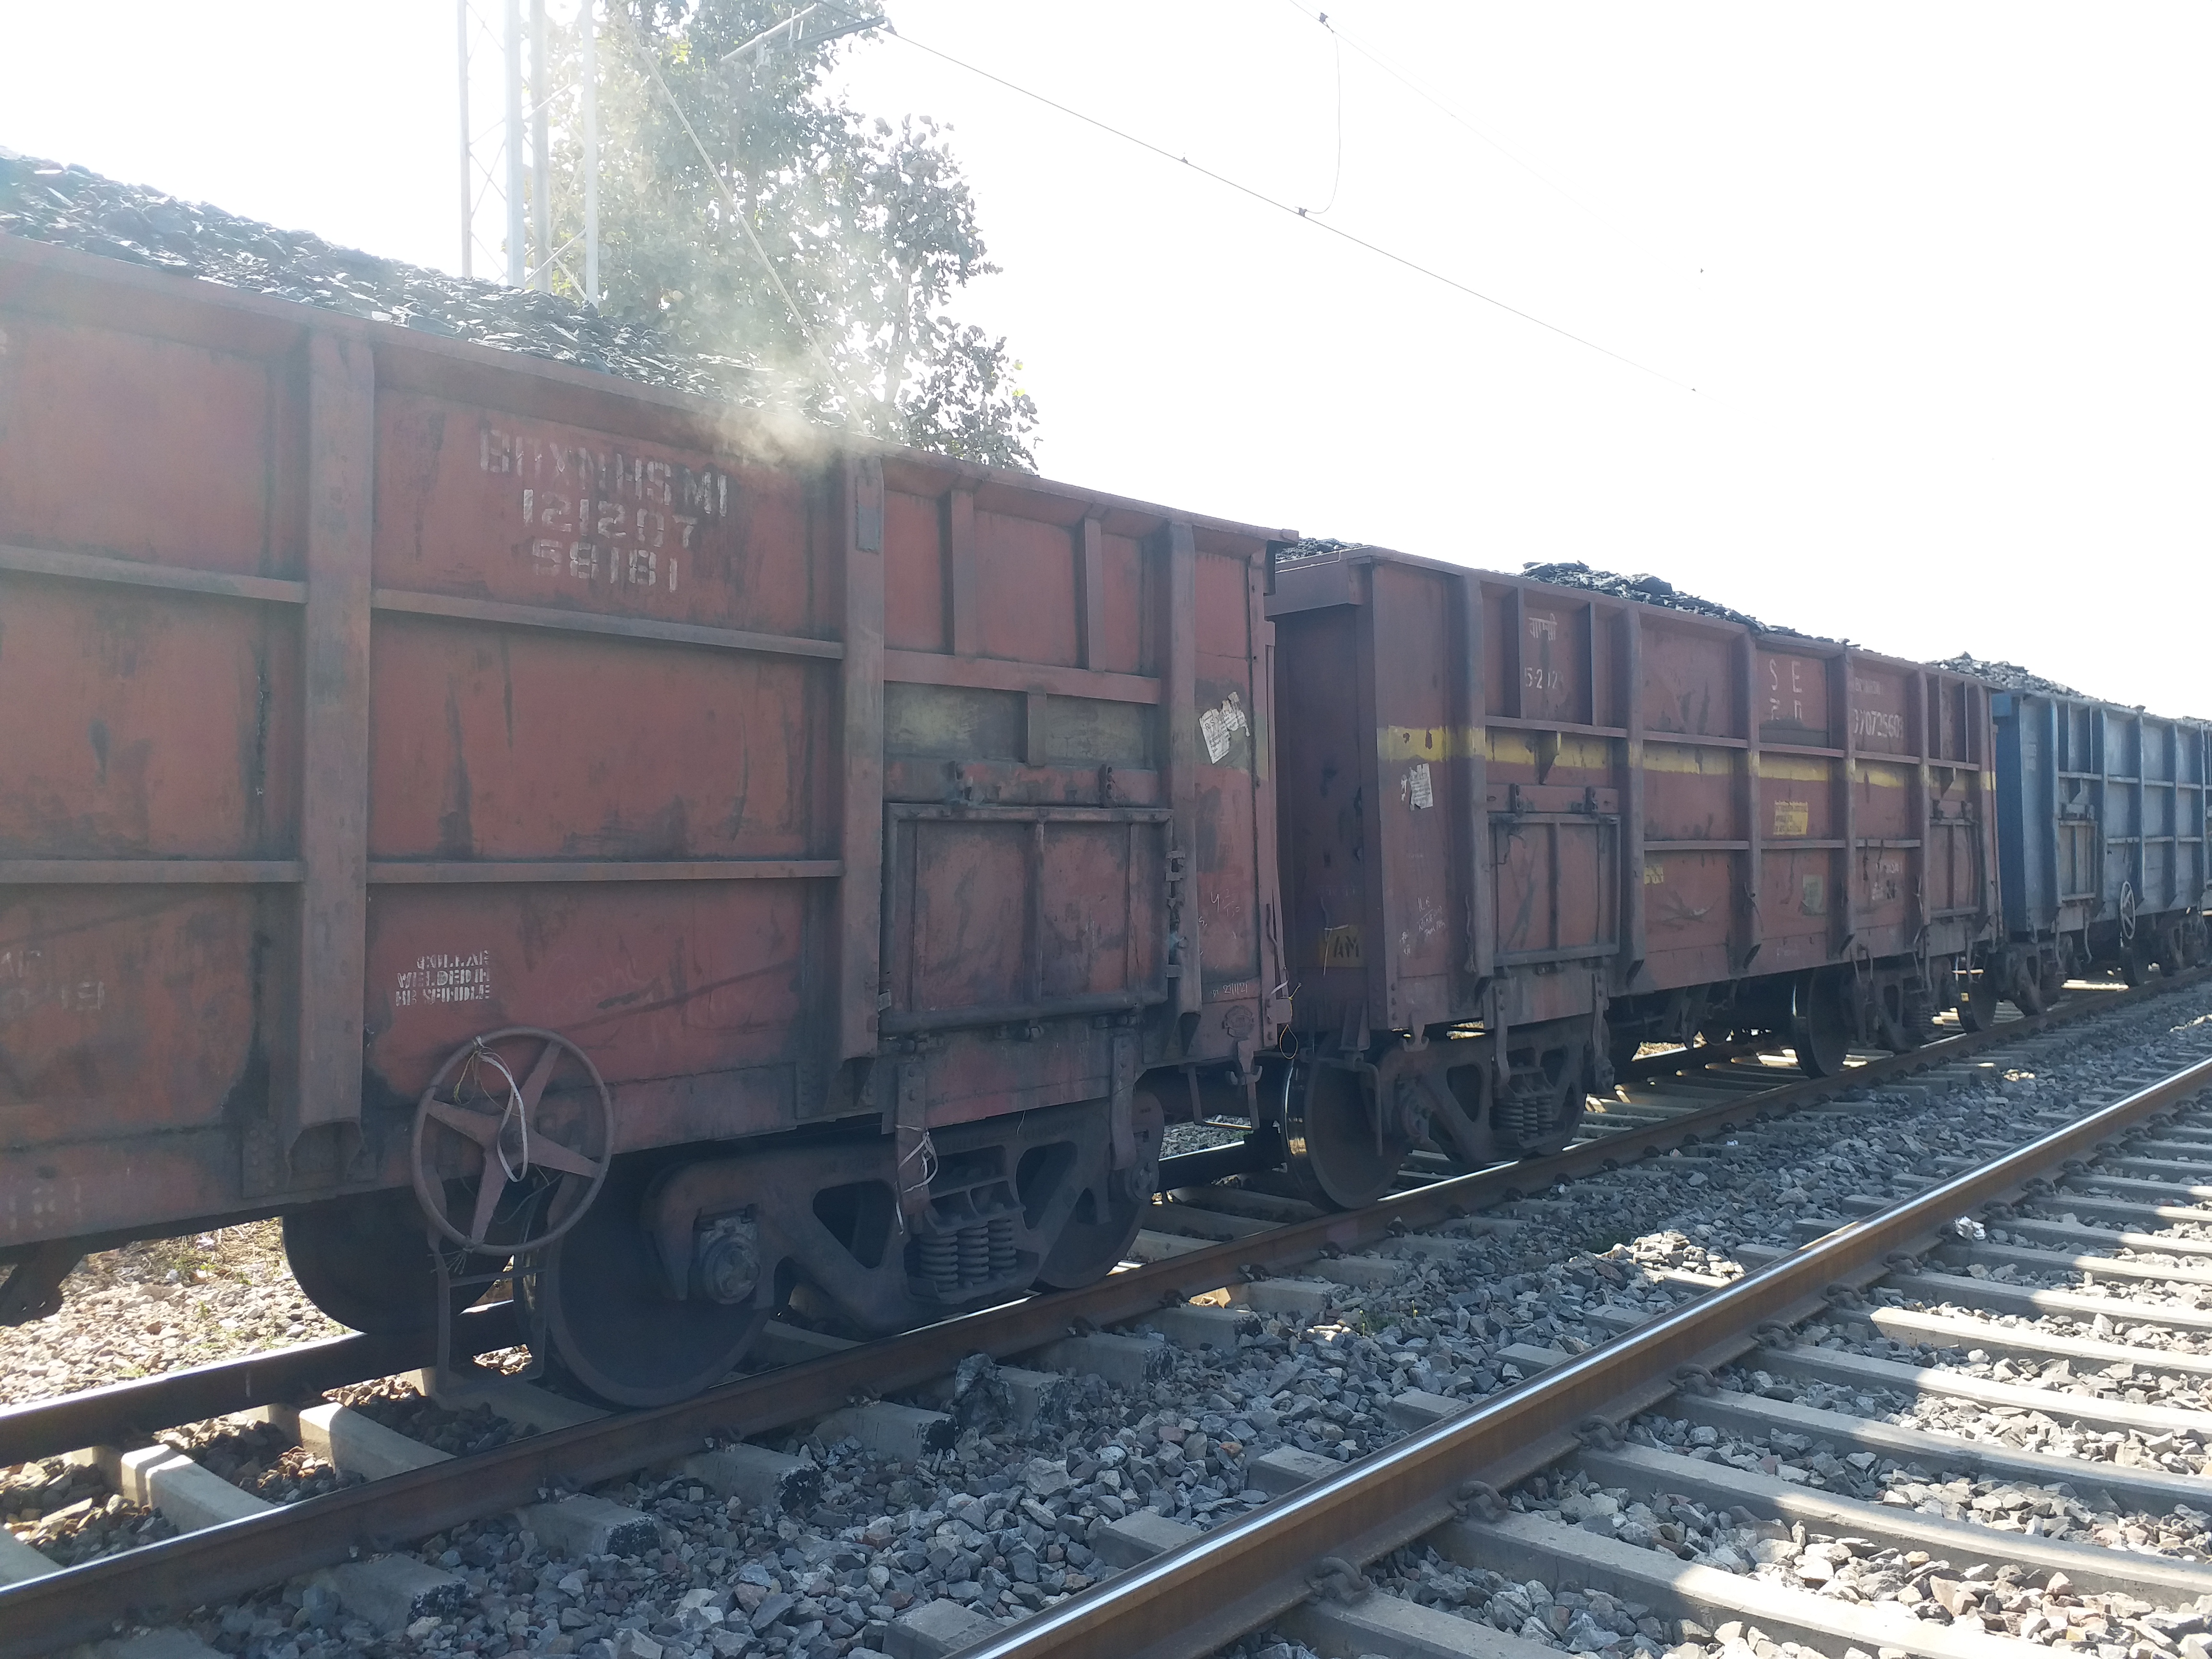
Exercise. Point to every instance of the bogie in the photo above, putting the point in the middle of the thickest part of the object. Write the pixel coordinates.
(667, 1283)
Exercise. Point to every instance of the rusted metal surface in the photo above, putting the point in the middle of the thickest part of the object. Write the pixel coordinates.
(1494, 786)
(226, 1561)
(391, 691)
(1192, 1599)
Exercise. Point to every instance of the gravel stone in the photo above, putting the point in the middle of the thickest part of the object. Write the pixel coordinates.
(152, 1307)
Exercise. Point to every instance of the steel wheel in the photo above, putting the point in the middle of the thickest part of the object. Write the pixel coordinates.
(1621, 1050)
(613, 1323)
(1818, 1030)
(365, 1261)
(1106, 1219)
(1978, 1004)
(1329, 1125)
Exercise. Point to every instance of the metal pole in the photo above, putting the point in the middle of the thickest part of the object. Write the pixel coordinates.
(516, 231)
(591, 151)
(541, 162)
(468, 180)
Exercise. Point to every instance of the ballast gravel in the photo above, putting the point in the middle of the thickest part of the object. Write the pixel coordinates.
(153, 1307)
(396, 1404)
(68, 1513)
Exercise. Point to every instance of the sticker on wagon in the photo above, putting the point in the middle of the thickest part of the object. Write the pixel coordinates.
(1219, 726)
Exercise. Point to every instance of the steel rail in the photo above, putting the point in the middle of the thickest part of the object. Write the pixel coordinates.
(168, 1579)
(124, 1410)
(1235, 1578)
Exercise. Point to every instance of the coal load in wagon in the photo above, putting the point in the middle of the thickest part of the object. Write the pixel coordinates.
(72, 207)
(2006, 676)
(1315, 547)
(1649, 590)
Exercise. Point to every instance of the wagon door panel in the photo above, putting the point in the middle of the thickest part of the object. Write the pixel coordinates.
(1556, 886)
(1022, 914)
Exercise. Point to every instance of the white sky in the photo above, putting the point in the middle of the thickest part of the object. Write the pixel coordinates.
(1938, 274)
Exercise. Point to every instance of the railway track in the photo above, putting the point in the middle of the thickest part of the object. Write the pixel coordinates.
(573, 1450)
(1697, 1414)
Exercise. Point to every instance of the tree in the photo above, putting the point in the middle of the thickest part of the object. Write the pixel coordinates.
(811, 249)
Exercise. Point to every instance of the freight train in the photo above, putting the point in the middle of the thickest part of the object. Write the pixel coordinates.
(502, 817)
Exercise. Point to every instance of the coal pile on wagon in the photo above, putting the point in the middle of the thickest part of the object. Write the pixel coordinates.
(1649, 590)
(73, 206)
(1315, 547)
(2006, 676)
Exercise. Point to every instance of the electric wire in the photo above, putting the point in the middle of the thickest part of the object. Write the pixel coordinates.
(1262, 197)
(645, 57)
(1336, 178)
(1446, 110)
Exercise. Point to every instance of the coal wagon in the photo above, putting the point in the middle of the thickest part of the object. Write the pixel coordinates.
(2102, 836)
(453, 799)
(1526, 828)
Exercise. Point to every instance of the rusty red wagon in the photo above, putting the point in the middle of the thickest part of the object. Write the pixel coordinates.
(443, 787)
(1526, 828)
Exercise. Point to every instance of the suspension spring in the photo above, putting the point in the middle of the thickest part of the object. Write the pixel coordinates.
(940, 1264)
(1002, 1246)
(974, 1254)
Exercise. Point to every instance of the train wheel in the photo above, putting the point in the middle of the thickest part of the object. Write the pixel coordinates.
(1977, 1003)
(613, 1323)
(1338, 1159)
(1818, 1030)
(1620, 1051)
(365, 1261)
(1104, 1223)
(2134, 966)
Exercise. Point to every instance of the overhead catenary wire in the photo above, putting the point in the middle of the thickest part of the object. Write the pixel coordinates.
(1281, 206)
(1336, 176)
(1414, 86)
(738, 213)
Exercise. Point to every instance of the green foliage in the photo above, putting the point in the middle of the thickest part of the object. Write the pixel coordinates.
(869, 229)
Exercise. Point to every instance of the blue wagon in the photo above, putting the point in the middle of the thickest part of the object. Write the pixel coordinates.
(2101, 842)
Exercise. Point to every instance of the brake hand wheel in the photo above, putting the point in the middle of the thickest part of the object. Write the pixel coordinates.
(495, 1103)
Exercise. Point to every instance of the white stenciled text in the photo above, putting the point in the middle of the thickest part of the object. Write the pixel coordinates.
(1878, 724)
(602, 516)
(28, 983)
(1786, 689)
(441, 977)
